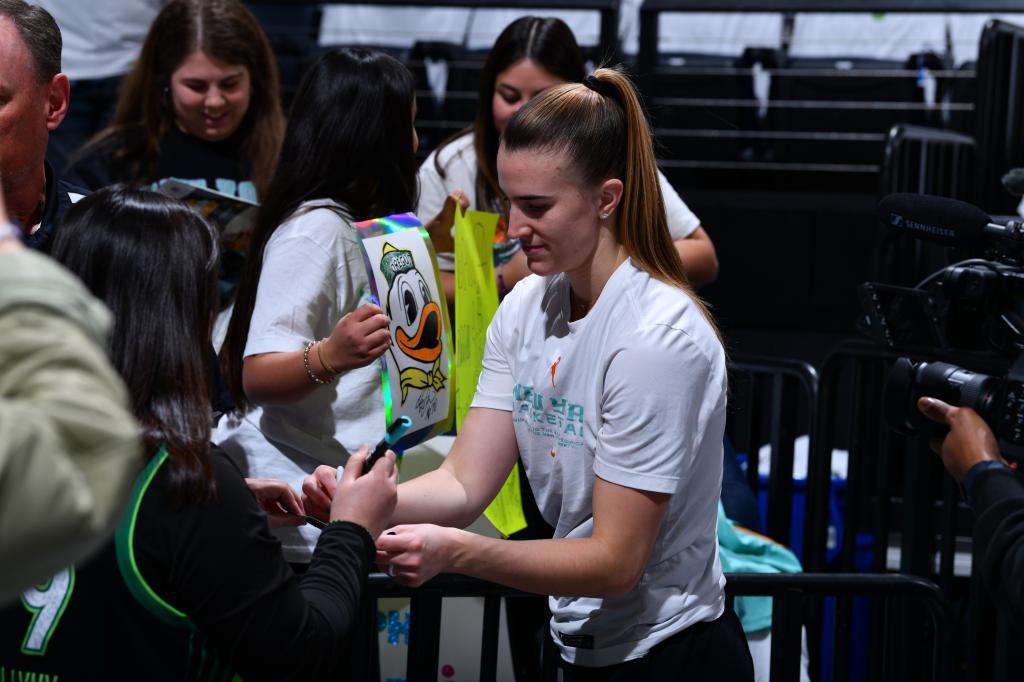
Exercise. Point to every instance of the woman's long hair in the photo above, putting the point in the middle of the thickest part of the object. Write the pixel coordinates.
(350, 139)
(153, 262)
(602, 128)
(224, 30)
(545, 40)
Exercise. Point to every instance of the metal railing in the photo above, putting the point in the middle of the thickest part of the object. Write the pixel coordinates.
(793, 596)
(607, 9)
(772, 401)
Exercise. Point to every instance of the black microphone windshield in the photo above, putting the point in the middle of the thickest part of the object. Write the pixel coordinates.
(1013, 181)
(936, 219)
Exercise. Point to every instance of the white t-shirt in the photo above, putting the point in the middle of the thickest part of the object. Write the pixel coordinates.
(634, 392)
(102, 38)
(312, 275)
(458, 159)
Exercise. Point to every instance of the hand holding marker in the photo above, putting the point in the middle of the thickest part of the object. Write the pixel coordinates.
(391, 436)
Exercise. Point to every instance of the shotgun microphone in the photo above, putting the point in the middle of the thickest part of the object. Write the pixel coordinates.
(946, 221)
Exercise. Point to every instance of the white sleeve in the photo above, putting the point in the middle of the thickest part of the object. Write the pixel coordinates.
(433, 190)
(654, 406)
(681, 220)
(296, 295)
(494, 387)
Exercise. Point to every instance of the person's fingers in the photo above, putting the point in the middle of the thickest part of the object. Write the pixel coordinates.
(380, 467)
(935, 409)
(391, 468)
(365, 312)
(386, 466)
(314, 496)
(291, 502)
(314, 491)
(327, 479)
(354, 468)
(379, 337)
(392, 541)
(284, 518)
(316, 509)
(372, 334)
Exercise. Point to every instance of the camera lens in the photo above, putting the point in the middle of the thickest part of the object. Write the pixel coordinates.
(955, 385)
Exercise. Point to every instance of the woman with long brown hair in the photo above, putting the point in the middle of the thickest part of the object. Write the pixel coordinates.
(201, 105)
(530, 55)
(605, 373)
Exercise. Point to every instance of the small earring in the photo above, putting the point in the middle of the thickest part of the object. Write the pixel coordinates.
(604, 216)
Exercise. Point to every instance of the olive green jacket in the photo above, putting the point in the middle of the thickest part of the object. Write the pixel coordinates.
(69, 447)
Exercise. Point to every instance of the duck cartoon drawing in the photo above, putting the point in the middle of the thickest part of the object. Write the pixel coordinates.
(417, 323)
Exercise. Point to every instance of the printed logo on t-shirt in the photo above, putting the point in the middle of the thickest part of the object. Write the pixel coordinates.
(554, 368)
(243, 190)
(548, 416)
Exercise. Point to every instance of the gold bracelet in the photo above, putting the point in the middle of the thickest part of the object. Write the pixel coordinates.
(320, 354)
(309, 370)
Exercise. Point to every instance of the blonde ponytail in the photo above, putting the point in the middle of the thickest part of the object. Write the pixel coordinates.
(601, 125)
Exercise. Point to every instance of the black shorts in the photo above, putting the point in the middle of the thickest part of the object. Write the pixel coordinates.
(715, 651)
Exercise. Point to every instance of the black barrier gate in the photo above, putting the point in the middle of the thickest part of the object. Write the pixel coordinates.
(898, 497)
(771, 400)
(908, 607)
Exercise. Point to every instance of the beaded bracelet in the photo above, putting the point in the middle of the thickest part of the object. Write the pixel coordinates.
(309, 370)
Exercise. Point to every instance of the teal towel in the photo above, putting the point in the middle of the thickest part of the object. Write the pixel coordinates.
(741, 552)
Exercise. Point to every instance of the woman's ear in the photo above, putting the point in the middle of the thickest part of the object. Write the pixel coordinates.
(610, 196)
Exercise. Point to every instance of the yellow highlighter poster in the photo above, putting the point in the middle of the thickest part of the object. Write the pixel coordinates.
(476, 300)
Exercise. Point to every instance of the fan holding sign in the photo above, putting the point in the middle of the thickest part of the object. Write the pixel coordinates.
(416, 369)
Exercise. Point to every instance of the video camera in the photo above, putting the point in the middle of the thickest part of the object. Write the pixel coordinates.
(971, 312)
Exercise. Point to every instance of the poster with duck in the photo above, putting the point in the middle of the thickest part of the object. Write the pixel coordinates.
(416, 371)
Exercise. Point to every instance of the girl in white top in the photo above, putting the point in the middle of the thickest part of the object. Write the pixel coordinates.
(605, 373)
(530, 55)
(300, 349)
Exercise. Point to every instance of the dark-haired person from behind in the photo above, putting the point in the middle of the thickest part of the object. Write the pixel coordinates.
(299, 356)
(193, 586)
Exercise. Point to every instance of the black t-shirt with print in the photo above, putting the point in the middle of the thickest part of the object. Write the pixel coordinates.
(215, 165)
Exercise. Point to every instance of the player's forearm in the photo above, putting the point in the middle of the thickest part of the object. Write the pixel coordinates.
(435, 497)
(569, 567)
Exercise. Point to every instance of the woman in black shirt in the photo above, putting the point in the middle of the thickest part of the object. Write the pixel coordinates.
(193, 586)
(201, 105)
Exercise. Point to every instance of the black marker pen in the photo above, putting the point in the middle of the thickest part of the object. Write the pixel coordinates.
(393, 434)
